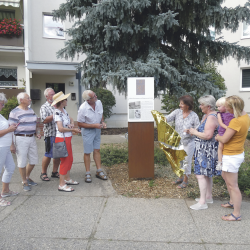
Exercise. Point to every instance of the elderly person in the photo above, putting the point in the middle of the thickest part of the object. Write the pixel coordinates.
(206, 147)
(90, 120)
(49, 129)
(64, 129)
(25, 138)
(6, 159)
(185, 118)
(233, 153)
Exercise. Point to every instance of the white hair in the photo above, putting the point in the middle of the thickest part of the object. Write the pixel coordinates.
(46, 91)
(207, 100)
(221, 101)
(20, 96)
(85, 95)
(3, 97)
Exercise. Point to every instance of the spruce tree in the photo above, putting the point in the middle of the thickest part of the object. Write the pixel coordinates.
(164, 39)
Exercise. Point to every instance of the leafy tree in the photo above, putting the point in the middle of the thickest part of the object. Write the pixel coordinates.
(108, 100)
(171, 102)
(11, 104)
(164, 39)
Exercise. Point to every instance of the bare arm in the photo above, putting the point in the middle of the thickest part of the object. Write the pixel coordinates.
(48, 119)
(221, 122)
(11, 128)
(63, 130)
(229, 133)
(86, 125)
(210, 126)
(104, 125)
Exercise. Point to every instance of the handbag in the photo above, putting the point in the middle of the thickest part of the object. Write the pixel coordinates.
(60, 149)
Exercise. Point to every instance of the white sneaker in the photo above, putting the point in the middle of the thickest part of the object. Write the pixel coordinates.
(207, 200)
(198, 206)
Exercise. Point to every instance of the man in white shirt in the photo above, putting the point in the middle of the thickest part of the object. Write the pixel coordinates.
(90, 120)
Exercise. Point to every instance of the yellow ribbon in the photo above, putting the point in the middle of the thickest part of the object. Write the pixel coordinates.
(167, 135)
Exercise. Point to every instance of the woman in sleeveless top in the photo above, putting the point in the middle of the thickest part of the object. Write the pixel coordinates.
(205, 155)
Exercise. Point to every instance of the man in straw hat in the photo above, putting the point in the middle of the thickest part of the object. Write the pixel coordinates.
(90, 120)
(49, 129)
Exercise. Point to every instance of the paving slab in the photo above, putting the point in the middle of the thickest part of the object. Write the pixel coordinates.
(214, 230)
(142, 245)
(147, 220)
(53, 217)
(220, 246)
(42, 243)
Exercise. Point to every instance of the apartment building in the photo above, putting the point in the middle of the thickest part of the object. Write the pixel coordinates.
(237, 75)
(30, 59)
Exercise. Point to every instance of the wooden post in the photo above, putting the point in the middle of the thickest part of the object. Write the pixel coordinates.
(141, 149)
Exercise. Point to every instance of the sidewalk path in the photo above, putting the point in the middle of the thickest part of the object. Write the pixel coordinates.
(95, 217)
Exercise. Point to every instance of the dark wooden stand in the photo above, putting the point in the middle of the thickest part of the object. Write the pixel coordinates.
(141, 150)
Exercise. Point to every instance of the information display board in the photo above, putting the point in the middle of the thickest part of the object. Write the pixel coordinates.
(140, 99)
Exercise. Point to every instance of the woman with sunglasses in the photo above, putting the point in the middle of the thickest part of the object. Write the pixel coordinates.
(64, 129)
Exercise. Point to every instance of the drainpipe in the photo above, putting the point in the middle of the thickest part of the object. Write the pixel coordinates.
(78, 76)
(26, 43)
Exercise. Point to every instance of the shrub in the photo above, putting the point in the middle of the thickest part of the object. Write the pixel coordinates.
(108, 100)
(11, 104)
(160, 157)
(111, 155)
(248, 135)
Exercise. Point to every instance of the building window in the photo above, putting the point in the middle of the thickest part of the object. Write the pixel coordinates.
(7, 14)
(56, 86)
(51, 28)
(245, 82)
(246, 30)
(8, 77)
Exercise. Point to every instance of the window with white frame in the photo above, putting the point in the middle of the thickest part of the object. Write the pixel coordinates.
(52, 28)
(246, 30)
(245, 79)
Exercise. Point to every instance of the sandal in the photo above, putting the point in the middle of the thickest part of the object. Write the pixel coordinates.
(226, 217)
(65, 188)
(10, 193)
(55, 175)
(4, 203)
(101, 175)
(183, 185)
(88, 178)
(70, 182)
(178, 181)
(44, 177)
(226, 205)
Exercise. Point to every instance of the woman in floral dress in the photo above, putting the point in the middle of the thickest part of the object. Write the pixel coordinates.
(206, 155)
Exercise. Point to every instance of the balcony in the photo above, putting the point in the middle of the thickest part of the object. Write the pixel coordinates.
(12, 41)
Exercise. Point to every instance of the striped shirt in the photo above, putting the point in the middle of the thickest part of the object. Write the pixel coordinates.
(49, 129)
(26, 118)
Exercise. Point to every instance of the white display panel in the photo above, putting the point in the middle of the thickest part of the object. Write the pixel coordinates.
(140, 99)
(141, 87)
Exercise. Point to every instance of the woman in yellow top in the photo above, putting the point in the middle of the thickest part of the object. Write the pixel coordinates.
(233, 153)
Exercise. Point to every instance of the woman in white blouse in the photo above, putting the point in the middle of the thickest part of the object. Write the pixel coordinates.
(6, 159)
(64, 129)
(185, 119)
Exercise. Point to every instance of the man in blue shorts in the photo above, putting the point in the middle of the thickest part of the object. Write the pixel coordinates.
(49, 129)
(90, 120)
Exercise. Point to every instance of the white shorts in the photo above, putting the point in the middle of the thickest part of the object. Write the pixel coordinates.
(26, 149)
(231, 163)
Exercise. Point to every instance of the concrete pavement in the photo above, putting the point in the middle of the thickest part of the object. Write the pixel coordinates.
(95, 217)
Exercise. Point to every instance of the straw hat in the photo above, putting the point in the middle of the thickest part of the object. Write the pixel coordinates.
(59, 97)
